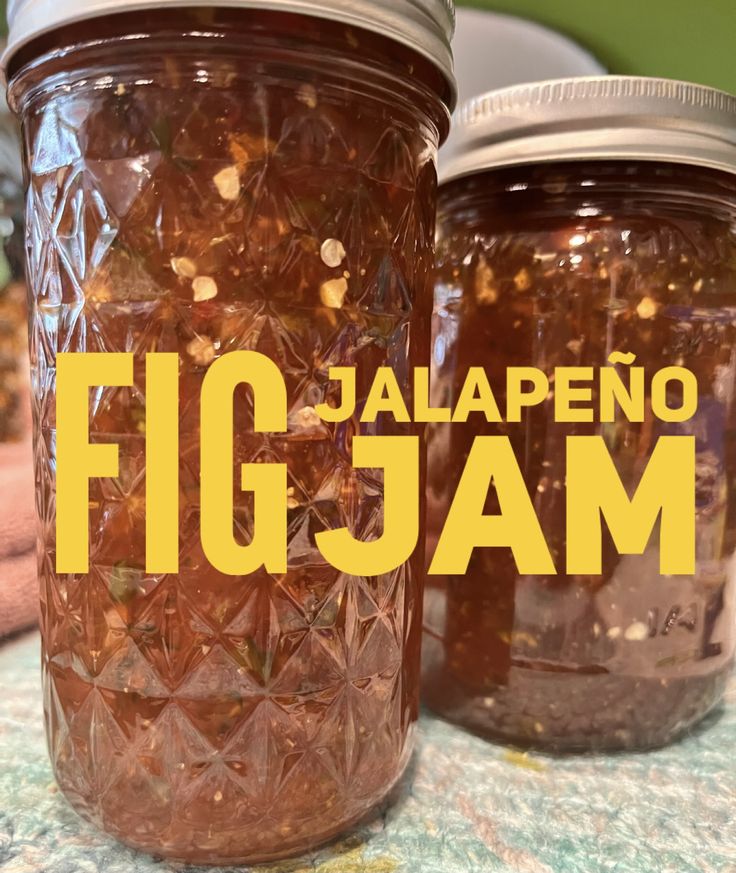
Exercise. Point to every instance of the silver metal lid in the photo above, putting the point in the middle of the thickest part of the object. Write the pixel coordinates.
(427, 26)
(591, 118)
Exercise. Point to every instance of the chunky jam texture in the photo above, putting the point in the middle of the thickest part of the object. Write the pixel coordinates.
(259, 189)
(561, 266)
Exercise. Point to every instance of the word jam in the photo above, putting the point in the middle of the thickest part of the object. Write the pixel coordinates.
(594, 490)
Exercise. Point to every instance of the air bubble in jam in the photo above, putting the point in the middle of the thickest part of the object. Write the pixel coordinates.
(282, 203)
(630, 659)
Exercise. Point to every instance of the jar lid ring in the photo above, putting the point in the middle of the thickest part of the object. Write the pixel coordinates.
(426, 26)
(594, 118)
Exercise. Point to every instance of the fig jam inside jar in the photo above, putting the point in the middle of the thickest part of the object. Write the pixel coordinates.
(560, 263)
(203, 181)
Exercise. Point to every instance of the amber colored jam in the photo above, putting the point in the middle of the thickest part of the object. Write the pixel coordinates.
(228, 181)
(561, 266)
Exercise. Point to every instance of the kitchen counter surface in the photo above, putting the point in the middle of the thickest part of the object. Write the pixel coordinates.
(468, 807)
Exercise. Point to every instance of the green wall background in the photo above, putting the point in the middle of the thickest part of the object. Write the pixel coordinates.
(681, 39)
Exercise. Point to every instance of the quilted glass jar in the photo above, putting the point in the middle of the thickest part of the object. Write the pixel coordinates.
(203, 181)
(593, 249)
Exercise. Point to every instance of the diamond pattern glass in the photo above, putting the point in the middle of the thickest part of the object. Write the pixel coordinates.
(181, 201)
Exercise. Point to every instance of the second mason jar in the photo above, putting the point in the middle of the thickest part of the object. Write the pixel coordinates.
(578, 219)
(256, 175)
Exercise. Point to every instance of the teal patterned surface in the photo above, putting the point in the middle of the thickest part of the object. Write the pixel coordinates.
(467, 806)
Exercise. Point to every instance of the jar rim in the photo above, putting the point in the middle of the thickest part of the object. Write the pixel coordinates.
(426, 26)
(593, 118)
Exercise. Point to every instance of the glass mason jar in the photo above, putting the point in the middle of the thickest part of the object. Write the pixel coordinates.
(204, 180)
(577, 221)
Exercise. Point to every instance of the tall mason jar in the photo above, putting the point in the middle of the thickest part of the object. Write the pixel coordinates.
(578, 219)
(205, 178)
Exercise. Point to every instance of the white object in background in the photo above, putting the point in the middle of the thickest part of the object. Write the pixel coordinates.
(495, 51)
